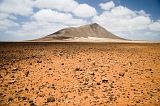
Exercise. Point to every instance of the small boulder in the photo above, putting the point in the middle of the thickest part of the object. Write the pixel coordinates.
(15, 69)
(91, 73)
(10, 99)
(1, 76)
(121, 74)
(27, 73)
(39, 61)
(104, 80)
(51, 99)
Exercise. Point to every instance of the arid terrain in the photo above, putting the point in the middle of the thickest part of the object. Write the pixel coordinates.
(79, 74)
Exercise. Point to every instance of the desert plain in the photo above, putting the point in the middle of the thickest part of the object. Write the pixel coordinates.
(79, 74)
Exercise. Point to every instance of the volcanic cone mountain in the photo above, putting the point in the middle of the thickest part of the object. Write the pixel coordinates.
(91, 30)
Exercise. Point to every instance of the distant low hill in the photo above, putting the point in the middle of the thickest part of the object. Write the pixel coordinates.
(87, 31)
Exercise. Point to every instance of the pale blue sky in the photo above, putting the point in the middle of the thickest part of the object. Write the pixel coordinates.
(30, 19)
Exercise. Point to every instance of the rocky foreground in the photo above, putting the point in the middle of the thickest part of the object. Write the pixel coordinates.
(79, 74)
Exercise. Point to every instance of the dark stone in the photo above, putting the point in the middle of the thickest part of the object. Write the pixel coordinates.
(1, 76)
(91, 73)
(111, 86)
(131, 85)
(12, 82)
(51, 99)
(105, 80)
(39, 61)
(24, 98)
(26, 89)
(12, 77)
(130, 63)
(15, 69)
(77, 69)
(32, 104)
(10, 99)
(121, 74)
(98, 83)
(27, 73)
(30, 101)
(138, 101)
(111, 98)
(53, 87)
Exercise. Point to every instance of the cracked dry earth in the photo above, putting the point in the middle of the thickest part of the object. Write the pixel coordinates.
(79, 74)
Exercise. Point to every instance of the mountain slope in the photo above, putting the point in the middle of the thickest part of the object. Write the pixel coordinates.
(86, 31)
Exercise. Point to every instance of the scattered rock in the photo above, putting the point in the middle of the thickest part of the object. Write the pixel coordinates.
(96, 70)
(101, 71)
(27, 73)
(138, 101)
(53, 87)
(39, 61)
(91, 73)
(98, 83)
(32, 103)
(111, 86)
(104, 80)
(130, 63)
(121, 74)
(77, 69)
(131, 85)
(24, 98)
(15, 69)
(111, 98)
(51, 99)
(12, 82)
(26, 89)
(148, 69)
(1, 76)
(105, 89)
(10, 99)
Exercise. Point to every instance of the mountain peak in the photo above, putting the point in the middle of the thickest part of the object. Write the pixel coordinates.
(94, 24)
(91, 25)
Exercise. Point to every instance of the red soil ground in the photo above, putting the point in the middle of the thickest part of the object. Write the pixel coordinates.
(79, 74)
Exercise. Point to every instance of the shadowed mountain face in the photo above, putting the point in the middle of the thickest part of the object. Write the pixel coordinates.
(90, 30)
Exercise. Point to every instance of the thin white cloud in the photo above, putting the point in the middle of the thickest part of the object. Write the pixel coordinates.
(36, 29)
(5, 16)
(16, 7)
(155, 26)
(61, 5)
(85, 11)
(143, 13)
(49, 15)
(6, 23)
(52, 16)
(107, 5)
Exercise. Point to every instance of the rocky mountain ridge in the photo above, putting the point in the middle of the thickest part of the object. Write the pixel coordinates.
(90, 30)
